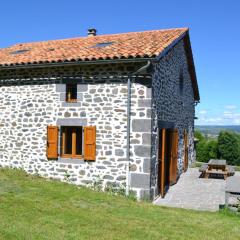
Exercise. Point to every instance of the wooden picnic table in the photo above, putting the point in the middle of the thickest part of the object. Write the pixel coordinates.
(215, 166)
(218, 164)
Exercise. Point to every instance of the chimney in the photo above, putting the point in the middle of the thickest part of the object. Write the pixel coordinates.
(92, 32)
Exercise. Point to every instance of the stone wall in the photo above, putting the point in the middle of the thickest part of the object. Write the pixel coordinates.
(32, 100)
(172, 104)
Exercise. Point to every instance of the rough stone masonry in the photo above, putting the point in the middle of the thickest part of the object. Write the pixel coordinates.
(33, 99)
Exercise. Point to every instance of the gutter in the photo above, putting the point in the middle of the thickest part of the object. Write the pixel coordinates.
(140, 70)
(77, 63)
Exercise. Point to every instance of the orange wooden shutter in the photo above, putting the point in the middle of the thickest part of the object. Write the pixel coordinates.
(90, 143)
(185, 150)
(174, 157)
(52, 142)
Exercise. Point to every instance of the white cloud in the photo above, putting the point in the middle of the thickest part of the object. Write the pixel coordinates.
(227, 117)
(233, 117)
(231, 107)
(236, 121)
(202, 112)
(210, 121)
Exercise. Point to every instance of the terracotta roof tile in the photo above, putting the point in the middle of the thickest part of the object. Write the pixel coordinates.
(146, 44)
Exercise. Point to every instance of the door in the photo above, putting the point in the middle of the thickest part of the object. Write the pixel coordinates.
(162, 155)
(164, 161)
(168, 159)
(185, 150)
(173, 156)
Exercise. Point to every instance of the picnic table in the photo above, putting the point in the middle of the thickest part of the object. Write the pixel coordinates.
(232, 188)
(217, 167)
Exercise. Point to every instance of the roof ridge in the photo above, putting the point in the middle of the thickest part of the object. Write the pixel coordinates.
(95, 37)
(154, 30)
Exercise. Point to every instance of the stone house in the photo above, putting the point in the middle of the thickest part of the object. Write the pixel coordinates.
(114, 108)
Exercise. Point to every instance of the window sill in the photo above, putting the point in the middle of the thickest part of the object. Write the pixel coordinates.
(71, 104)
(69, 156)
(71, 160)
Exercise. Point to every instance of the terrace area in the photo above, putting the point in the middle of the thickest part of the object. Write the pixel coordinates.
(192, 192)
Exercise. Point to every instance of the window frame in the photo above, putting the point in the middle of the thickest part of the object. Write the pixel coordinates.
(74, 142)
(70, 87)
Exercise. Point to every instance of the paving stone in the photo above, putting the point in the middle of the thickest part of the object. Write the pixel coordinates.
(192, 192)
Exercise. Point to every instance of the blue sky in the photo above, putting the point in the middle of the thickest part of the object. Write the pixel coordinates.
(214, 31)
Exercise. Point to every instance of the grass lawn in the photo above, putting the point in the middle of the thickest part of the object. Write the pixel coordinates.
(36, 208)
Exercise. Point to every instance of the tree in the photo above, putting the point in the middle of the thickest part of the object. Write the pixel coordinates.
(198, 135)
(205, 149)
(229, 147)
(211, 149)
(200, 151)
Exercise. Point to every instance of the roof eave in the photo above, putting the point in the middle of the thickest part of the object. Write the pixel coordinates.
(61, 64)
(191, 66)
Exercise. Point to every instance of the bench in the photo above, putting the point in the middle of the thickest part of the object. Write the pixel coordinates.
(203, 168)
(216, 172)
(231, 170)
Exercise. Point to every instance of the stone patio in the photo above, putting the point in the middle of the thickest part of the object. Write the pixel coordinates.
(192, 192)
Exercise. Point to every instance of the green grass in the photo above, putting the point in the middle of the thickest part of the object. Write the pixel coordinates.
(36, 208)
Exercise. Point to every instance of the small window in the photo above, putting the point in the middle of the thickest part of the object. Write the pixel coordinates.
(181, 83)
(71, 93)
(71, 143)
(102, 44)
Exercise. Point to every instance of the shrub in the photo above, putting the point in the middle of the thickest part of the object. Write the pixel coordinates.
(229, 147)
(206, 149)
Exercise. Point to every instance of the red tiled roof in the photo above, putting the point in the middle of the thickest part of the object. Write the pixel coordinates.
(133, 45)
(146, 44)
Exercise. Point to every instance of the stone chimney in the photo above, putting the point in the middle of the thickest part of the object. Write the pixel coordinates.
(92, 32)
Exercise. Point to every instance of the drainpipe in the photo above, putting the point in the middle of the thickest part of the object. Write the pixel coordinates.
(128, 135)
(140, 70)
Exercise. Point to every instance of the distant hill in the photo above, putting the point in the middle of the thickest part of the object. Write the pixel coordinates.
(214, 130)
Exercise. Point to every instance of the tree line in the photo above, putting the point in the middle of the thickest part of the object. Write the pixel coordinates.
(226, 146)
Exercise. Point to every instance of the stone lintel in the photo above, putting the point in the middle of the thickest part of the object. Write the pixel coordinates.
(72, 122)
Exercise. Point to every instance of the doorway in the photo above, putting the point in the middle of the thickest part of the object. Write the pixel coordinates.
(167, 159)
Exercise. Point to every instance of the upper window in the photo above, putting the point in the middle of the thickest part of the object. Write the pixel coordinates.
(181, 82)
(71, 93)
(72, 142)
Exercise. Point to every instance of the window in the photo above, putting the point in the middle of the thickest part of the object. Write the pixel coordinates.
(181, 84)
(71, 144)
(71, 93)
(74, 139)
(103, 44)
